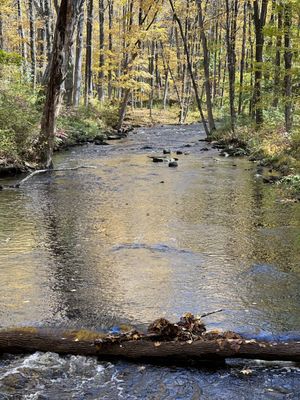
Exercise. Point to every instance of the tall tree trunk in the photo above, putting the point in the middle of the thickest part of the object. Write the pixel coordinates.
(207, 83)
(190, 69)
(242, 64)
(69, 81)
(278, 56)
(101, 48)
(259, 17)
(63, 40)
(22, 37)
(1, 32)
(78, 60)
(250, 64)
(48, 28)
(89, 55)
(287, 67)
(151, 72)
(231, 17)
(110, 45)
(41, 40)
(32, 42)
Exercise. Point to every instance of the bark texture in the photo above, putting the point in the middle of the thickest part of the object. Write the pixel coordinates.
(20, 340)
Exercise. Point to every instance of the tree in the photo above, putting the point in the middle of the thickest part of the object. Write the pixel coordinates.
(32, 42)
(231, 24)
(78, 56)
(287, 66)
(259, 18)
(206, 62)
(89, 53)
(190, 69)
(101, 48)
(63, 41)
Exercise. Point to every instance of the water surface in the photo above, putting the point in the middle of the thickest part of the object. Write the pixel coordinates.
(131, 240)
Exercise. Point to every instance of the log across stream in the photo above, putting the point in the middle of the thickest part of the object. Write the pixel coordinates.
(89, 343)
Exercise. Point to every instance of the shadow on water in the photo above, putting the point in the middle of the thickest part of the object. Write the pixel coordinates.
(132, 240)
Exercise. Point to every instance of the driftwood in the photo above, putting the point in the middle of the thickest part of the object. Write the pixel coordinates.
(208, 347)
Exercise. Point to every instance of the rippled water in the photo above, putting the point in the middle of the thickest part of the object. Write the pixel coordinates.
(132, 240)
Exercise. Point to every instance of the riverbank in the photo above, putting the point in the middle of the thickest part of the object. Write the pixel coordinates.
(275, 152)
(93, 124)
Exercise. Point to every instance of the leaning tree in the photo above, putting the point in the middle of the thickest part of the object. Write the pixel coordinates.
(63, 40)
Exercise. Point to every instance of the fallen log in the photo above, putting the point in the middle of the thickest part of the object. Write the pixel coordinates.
(136, 346)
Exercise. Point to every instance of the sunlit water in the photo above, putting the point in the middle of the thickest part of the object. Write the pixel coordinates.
(132, 240)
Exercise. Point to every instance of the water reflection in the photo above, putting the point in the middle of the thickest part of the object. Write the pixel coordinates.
(133, 240)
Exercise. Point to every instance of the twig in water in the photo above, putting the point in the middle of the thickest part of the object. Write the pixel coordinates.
(210, 313)
(43, 171)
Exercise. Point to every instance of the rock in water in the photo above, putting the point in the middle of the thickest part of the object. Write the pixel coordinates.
(166, 151)
(173, 164)
(157, 159)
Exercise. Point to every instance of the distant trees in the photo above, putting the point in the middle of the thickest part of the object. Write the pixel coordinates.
(231, 57)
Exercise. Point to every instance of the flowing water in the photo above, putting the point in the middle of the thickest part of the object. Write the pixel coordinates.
(131, 240)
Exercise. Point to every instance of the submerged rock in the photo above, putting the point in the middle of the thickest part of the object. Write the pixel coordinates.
(233, 152)
(114, 137)
(100, 143)
(158, 159)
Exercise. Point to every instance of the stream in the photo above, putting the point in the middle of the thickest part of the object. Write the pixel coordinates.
(131, 240)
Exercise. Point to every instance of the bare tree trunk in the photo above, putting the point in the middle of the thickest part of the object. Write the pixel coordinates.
(231, 17)
(210, 116)
(22, 37)
(110, 45)
(32, 42)
(101, 48)
(259, 17)
(48, 28)
(89, 55)
(1, 32)
(278, 56)
(69, 81)
(242, 64)
(151, 72)
(251, 55)
(78, 60)
(287, 67)
(190, 69)
(63, 40)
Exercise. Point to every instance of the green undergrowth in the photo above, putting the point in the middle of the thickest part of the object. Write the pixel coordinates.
(84, 124)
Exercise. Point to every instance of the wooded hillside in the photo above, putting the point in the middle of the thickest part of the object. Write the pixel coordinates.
(229, 59)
